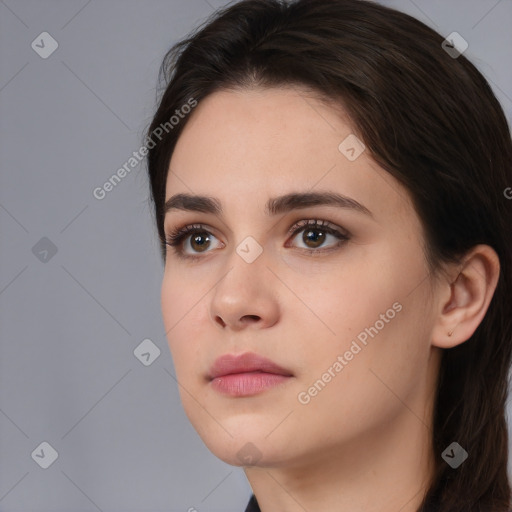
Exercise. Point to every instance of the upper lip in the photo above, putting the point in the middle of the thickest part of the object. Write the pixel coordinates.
(243, 363)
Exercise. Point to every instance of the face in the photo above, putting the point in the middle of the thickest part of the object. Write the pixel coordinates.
(342, 306)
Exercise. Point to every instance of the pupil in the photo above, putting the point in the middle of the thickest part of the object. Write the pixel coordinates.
(314, 238)
(197, 239)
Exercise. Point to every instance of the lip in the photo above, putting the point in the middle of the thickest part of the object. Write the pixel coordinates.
(244, 363)
(246, 374)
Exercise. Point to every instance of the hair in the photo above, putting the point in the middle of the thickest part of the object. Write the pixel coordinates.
(432, 122)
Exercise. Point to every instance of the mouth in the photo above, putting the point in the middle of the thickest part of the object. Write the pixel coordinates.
(246, 374)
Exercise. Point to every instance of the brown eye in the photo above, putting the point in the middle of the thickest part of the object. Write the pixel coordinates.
(315, 234)
(200, 241)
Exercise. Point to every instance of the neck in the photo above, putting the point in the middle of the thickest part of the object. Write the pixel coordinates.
(386, 469)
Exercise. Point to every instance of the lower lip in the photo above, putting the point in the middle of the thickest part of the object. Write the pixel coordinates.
(248, 383)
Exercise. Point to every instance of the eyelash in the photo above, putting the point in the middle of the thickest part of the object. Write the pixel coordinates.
(176, 237)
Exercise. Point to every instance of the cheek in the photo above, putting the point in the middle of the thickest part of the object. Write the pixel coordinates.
(373, 311)
(184, 292)
(181, 309)
(378, 377)
(169, 303)
(343, 298)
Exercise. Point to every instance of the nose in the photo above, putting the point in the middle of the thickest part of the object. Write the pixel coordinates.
(237, 324)
(246, 297)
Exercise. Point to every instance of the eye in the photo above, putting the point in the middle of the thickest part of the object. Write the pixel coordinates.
(199, 237)
(315, 233)
(200, 240)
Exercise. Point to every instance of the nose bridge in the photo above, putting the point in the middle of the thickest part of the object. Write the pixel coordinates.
(248, 229)
(246, 266)
(243, 291)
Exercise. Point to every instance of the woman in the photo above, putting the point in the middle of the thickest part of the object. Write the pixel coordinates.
(330, 191)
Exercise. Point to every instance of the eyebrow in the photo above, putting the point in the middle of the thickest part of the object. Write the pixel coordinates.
(274, 206)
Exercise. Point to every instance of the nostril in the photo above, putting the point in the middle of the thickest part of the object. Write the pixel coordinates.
(251, 317)
(220, 321)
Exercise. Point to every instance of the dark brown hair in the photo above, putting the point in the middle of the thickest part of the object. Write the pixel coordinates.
(432, 122)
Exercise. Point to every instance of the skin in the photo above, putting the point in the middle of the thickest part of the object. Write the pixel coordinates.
(363, 442)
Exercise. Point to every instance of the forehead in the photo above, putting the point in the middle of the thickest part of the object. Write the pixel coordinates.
(263, 125)
(249, 145)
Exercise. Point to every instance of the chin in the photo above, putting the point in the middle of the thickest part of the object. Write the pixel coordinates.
(246, 447)
(238, 438)
(237, 451)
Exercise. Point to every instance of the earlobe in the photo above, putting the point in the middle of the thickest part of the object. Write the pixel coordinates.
(463, 303)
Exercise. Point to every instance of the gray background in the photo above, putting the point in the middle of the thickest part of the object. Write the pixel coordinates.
(69, 325)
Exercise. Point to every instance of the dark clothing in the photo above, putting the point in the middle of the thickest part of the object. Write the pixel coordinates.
(253, 506)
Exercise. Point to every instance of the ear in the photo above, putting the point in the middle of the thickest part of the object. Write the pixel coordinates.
(464, 298)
